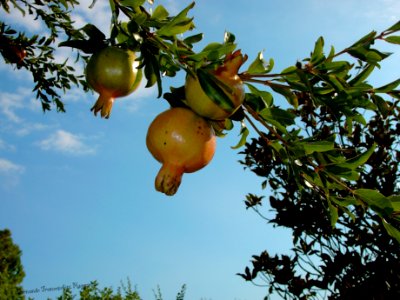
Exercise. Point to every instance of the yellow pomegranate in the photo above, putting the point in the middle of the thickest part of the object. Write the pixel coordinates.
(198, 100)
(112, 72)
(183, 142)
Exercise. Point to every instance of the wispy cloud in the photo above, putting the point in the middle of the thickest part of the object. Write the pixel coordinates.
(7, 167)
(11, 102)
(6, 146)
(67, 143)
(13, 108)
(9, 173)
(26, 22)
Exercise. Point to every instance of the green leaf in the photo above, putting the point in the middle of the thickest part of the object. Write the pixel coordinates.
(395, 27)
(287, 93)
(260, 66)
(160, 13)
(343, 202)
(132, 3)
(368, 55)
(375, 200)
(264, 96)
(284, 117)
(229, 38)
(318, 54)
(391, 230)
(193, 39)
(343, 172)
(152, 72)
(363, 75)
(382, 105)
(394, 39)
(335, 67)
(318, 146)
(84, 45)
(333, 213)
(213, 51)
(365, 40)
(359, 160)
(395, 199)
(277, 117)
(178, 24)
(93, 32)
(212, 87)
(388, 87)
(244, 132)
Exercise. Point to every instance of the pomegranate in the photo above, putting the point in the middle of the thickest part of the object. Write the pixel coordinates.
(112, 72)
(227, 73)
(183, 142)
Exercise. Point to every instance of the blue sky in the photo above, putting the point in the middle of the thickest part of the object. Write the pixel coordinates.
(77, 191)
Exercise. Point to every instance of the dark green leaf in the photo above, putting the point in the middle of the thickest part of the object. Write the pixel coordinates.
(263, 96)
(395, 199)
(93, 32)
(278, 117)
(333, 213)
(132, 3)
(343, 172)
(318, 146)
(359, 160)
(375, 200)
(286, 92)
(363, 75)
(382, 105)
(244, 132)
(229, 38)
(371, 56)
(395, 27)
(391, 230)
(365, 40)
(193, 39)
(388, 87)
(212, 87)
(318, 55)
(86, 46)
(152, 72)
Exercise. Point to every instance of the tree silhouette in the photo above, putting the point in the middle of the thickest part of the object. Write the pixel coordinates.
(11, 269)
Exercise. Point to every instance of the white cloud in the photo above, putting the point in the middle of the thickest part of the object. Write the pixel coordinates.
(11, 102)
(132, 102)
(67, 143)
(27, 22)
(7, 167)
(9, 173)
(13, 108)
(99, 15)
(28, 128)
(6, 146)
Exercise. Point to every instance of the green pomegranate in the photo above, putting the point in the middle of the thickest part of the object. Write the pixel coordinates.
(112, 72)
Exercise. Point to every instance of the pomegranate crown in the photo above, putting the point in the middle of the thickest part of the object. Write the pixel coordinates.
(232, 63)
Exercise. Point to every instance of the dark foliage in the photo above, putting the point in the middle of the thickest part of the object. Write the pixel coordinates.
(356, 259)
(11, 270)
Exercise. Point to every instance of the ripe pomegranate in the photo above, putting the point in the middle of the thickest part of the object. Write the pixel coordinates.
(112, 72)
(227, 73)
(183, 142)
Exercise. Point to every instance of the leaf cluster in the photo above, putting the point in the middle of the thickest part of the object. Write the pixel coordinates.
(337, 190)
(36, 53)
